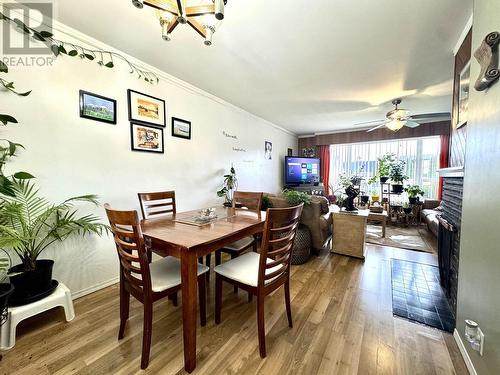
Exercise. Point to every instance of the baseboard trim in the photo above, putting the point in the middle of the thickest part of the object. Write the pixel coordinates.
(95, 288)
(465, 354)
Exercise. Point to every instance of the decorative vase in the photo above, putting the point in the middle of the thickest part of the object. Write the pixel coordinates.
(397, 188)
(31, 286)
(5, 291)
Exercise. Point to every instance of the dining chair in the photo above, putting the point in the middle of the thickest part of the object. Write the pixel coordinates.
(147, 282)
(162, 203)
(253, 202)
(261, 274)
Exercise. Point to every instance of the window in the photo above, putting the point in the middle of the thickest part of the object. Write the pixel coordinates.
(421, 156)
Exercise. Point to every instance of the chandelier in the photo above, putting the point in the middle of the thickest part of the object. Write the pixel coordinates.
(204, 16)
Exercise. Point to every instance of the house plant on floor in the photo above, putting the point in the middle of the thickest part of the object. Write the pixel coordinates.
(413, 192)
(29, 224)
(398, 176)
(229, 186)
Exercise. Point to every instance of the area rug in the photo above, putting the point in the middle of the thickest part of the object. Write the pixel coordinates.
(411, 238)
(418, 296)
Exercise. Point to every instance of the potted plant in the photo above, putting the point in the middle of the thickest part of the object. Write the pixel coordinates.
(364, 198)
(29, 224)
(375, 196)
(407, 209)
(266, 203)
(413, 192)
(294, 198)
(398, 176)
(6, 289)
(230, 184)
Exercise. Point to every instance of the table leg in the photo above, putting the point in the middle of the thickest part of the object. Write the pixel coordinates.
(384, 224)
(189, 292)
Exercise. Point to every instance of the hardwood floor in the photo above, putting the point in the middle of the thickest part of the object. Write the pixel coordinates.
(342, 316)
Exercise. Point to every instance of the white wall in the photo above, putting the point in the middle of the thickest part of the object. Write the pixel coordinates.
(72, 156)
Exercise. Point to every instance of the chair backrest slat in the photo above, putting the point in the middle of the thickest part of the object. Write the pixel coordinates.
(152, 204)
(250, 200)
(134, 264)
(277, 243)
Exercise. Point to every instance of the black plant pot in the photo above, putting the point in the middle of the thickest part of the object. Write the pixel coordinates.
(407, 210)
(365, 198)
(413, 200)
(5, 291)
(383, 179)
(31, 286)
(397, 188)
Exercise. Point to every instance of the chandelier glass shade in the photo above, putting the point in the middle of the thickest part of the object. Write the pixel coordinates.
(204, 16)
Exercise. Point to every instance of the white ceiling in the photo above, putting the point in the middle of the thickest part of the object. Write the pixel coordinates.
(308, 66)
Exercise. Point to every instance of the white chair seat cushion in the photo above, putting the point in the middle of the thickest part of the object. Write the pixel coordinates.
(166, 273)
(240, 244)
(245, 269)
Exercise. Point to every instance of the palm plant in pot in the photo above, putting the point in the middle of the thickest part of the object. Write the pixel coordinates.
(413, 192)
(29, 224)
(398, 176)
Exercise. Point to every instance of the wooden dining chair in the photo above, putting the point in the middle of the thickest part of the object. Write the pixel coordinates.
(253, 202)
(147, 282)
(162, 203)
(261, 274)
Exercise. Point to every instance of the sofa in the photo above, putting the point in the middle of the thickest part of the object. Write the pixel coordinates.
(431, 208)
(316, 216)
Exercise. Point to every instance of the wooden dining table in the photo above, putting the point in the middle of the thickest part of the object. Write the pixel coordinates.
(176, 235)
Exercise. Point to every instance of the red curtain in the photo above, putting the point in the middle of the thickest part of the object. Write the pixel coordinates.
(324, 155)
(443, 160)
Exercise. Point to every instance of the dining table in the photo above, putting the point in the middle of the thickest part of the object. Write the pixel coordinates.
(187, 236)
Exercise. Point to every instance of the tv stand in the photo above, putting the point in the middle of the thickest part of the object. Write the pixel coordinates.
(308, 188)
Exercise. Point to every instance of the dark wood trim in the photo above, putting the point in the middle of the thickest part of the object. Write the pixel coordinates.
(424, 130)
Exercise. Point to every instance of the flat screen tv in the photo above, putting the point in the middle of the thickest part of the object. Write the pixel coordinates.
(301, 170)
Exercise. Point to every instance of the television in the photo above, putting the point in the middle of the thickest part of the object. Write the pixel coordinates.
(301, 170)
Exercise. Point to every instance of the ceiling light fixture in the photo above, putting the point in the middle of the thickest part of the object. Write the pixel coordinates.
(396, 124)
(204, 16)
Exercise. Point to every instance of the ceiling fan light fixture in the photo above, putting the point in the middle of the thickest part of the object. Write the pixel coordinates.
(138, 3)
(209, 32)
(396, 124)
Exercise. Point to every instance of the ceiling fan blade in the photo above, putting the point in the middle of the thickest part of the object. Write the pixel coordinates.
(431, 117)
(373, 122)
(378, 126)
(412, 124)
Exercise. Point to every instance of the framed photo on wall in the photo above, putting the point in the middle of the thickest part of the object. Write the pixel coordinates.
(98, 108)
(463, 96)
(146, 138)
(181, 128)
(146, 109)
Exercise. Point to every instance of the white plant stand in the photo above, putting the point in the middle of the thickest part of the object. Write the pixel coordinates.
(60, 297)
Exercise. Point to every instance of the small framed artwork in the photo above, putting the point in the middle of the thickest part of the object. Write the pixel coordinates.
(463, 96)
(97, 107)
(268, 150)
(181, 128)
(146, 109)
(146, 138)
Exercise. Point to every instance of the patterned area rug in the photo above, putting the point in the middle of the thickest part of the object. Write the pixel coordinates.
(411, 238)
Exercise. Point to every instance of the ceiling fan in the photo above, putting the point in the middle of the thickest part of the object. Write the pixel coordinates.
(399, 117)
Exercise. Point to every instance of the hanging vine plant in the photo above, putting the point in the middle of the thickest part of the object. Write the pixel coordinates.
(60, 47)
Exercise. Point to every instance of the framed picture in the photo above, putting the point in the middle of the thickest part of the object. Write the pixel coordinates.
(97, 107)
(146, 138)
(463, 96)
(268, 150)
(146, 109)
(181, 128)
